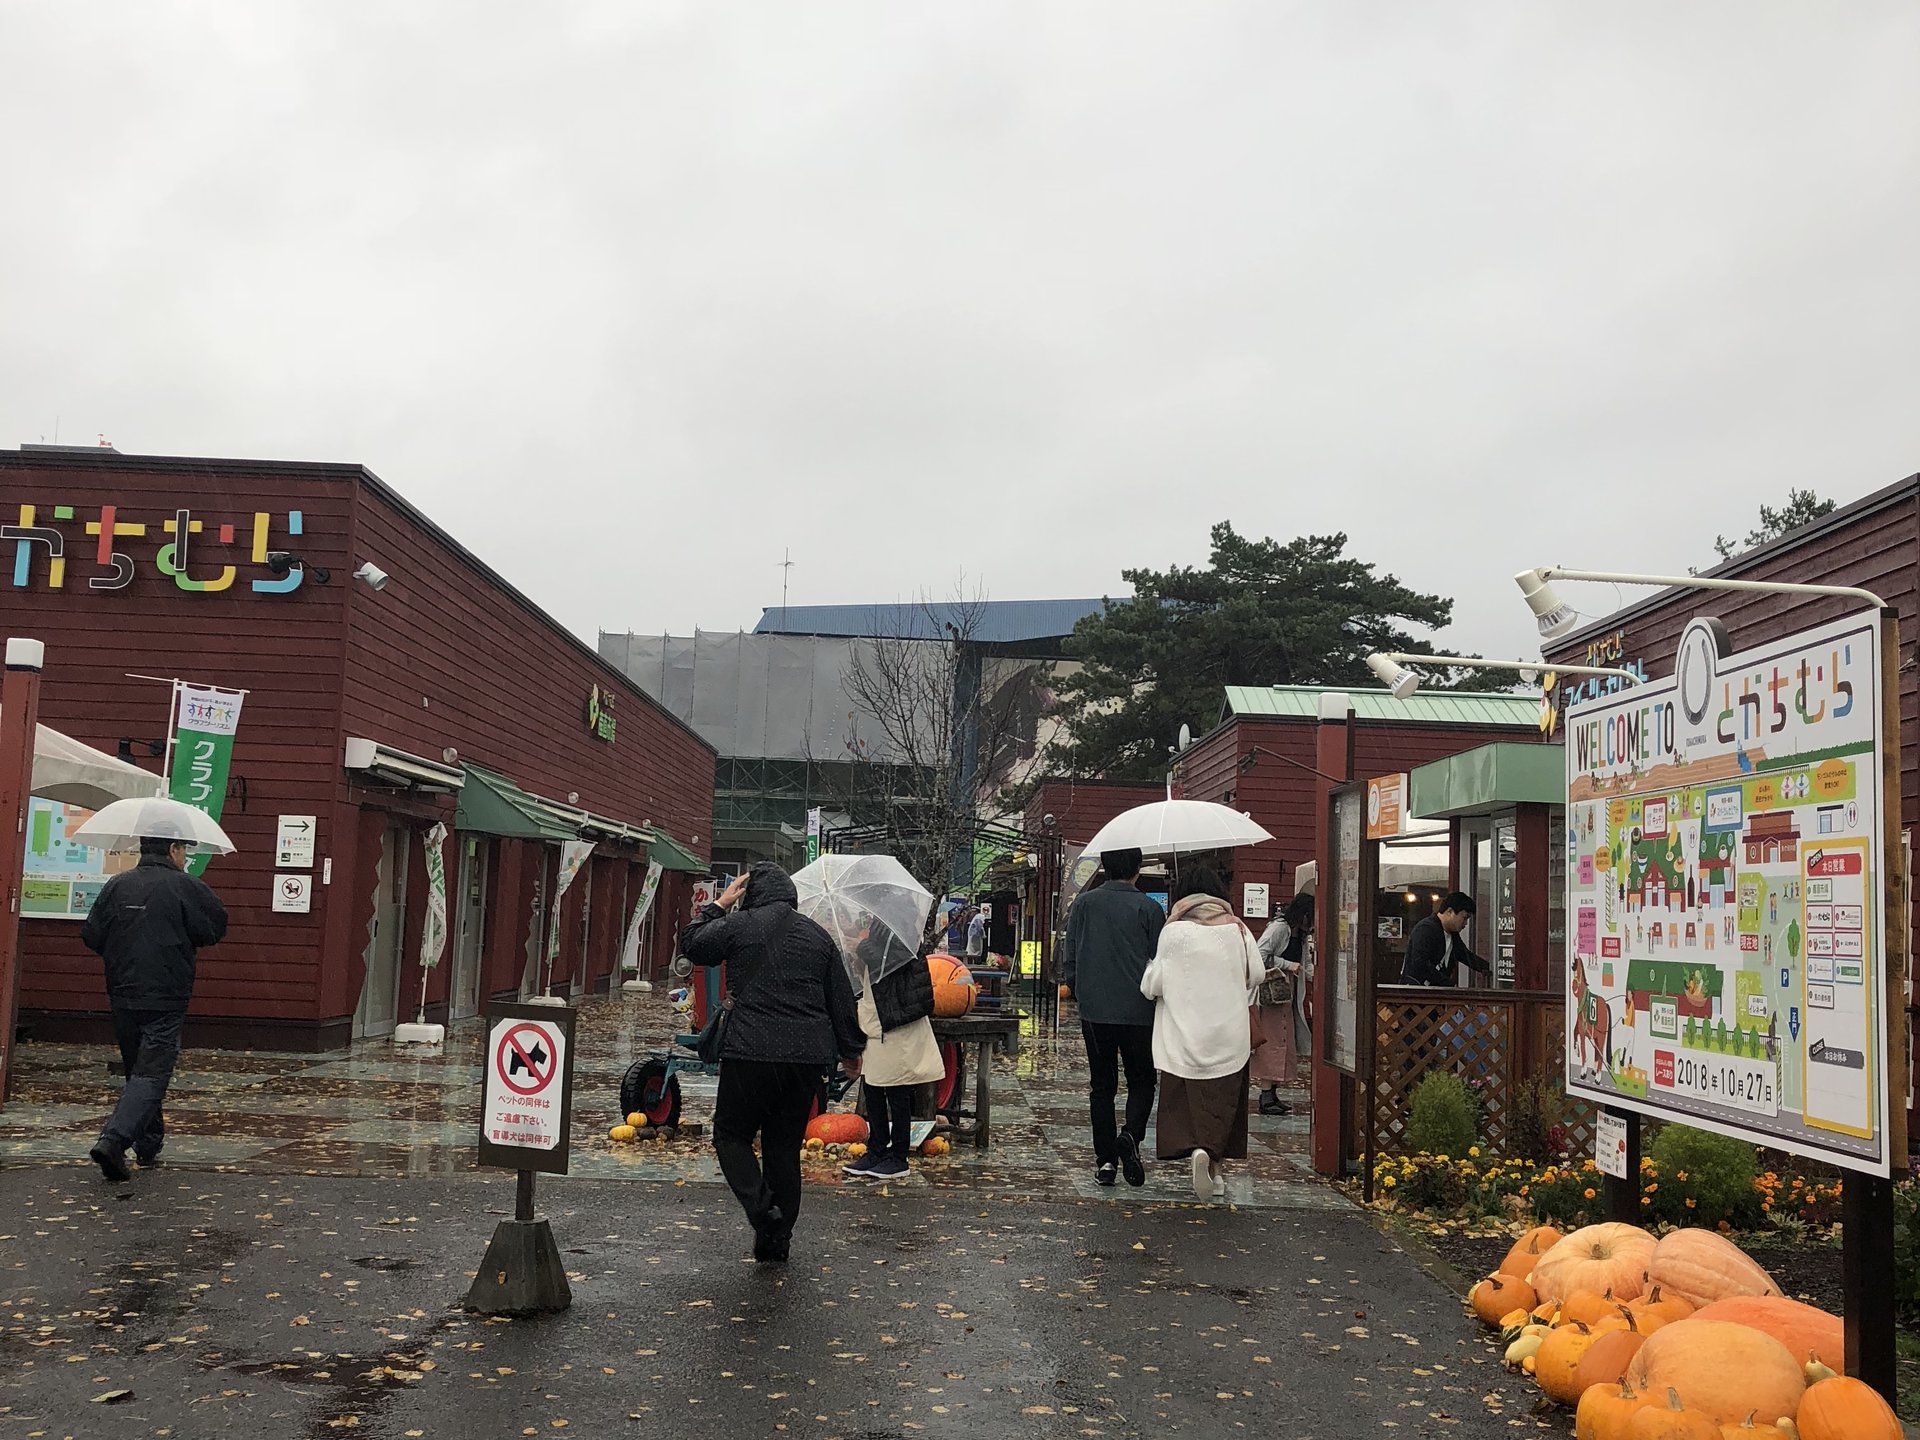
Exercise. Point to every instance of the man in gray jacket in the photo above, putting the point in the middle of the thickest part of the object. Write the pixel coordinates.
(1112, 933)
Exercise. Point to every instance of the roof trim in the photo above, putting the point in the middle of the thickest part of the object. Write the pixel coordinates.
(1475, 708)
(1882, 499)
(354, 474)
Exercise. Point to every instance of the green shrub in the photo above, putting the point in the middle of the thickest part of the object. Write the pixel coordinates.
(1906, 1250)
(1442, 1119)
(1715, 1172)
(1534, 1116)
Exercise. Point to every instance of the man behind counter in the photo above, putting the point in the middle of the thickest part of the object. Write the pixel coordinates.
(1435, 947)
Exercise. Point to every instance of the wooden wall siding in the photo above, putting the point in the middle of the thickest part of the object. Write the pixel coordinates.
(1281, 795)
(445, 657)
(1080, 807)
(284, 649)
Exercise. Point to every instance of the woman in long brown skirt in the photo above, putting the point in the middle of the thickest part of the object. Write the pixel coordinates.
(1203, 976)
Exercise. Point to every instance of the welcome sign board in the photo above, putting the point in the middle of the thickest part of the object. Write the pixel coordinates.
(1724, 864)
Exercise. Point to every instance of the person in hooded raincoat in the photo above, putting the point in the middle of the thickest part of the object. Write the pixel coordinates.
(793, 1017)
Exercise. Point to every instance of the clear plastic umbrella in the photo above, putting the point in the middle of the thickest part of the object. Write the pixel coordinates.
(125, 823)
(873, 908)
(1177, 827)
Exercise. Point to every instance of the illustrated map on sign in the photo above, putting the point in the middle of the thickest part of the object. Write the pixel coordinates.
(1723, 853)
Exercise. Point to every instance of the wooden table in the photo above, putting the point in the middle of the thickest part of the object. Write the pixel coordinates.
(983, 1033)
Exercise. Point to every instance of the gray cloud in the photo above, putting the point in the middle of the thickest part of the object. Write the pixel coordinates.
(632, 298)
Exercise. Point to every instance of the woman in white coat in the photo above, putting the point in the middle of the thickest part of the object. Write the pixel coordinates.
(901, 1053)
(1203, 976)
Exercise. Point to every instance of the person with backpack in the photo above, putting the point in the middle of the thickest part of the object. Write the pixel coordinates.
(789, 1015)
(896, 1015)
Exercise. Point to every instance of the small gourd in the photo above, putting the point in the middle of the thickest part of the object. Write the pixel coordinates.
(620, 1132)
(1558, 1363)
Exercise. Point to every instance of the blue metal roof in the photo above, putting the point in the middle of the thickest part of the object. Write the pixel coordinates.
(993, 622)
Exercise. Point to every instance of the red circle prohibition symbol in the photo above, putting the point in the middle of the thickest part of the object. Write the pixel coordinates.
(521, 1042)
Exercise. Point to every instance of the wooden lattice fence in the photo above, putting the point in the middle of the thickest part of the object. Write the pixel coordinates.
(1490, 1038)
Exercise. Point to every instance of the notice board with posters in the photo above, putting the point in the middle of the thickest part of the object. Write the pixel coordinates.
(1725, 842)
(62, 876)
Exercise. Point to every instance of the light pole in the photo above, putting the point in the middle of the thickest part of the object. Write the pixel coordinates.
(1390, 666)
(19, 723)
(1867, 1264)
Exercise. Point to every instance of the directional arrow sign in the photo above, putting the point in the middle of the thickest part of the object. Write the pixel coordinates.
(1793, 1021)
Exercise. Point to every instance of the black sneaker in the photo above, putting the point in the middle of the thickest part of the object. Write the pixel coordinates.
(772, 1239)
(111, 1159)
(1107, 1174)
(1130, 1163)
(147, 1162)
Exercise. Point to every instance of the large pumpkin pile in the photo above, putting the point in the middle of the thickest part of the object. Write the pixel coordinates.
(1680, 1338)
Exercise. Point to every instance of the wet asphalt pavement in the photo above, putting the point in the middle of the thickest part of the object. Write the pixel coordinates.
(296, 1306)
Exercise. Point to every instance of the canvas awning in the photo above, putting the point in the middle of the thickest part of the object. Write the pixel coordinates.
(670, 854)
(1489, 778)
(66, 771)
(491, 804)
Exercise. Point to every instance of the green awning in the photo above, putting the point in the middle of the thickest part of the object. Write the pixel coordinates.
(491, 804)
(672, 855)
(1488, 778)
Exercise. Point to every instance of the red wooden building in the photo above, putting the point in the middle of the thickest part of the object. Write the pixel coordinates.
(1263, 758)
(1078, 808)
(440, 695)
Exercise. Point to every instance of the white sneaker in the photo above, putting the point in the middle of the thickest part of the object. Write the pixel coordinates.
(1219, 1187)
(1202, 1175)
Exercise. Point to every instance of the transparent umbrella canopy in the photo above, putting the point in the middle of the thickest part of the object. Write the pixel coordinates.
(873, 908)
(125, 823)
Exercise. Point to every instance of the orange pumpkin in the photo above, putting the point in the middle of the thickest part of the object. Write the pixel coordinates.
(1598, 1258)
(1657, 1308)
(1608, 1359)
(1846, 1409)
(1528, 1249)
(1605, 1410)
(837, 1129)
(1499, 1295)
(953, 988)
(1804, 1329)
(1587, 1307)
(1751, 1429)
(1672, 1421)
(1557, 1362)
(1727, 1371)
(1702, 1266)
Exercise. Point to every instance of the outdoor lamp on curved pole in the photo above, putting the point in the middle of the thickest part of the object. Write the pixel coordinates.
(1391, 668)
(1556, 618)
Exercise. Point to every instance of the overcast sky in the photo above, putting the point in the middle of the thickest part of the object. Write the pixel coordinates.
(632, 297)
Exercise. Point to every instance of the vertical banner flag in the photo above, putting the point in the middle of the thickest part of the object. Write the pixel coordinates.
(573, 854)
(433, 933)
(630, 947)
(813, 836)
(205, 720)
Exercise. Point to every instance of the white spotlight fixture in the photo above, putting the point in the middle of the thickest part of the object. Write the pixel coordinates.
(1551, 614)
(375, 577)
(1400, 681)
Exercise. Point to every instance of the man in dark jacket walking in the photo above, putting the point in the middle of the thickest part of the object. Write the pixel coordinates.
(1434, 946)
(1112, 933)
(793, 1016)
(146, 924)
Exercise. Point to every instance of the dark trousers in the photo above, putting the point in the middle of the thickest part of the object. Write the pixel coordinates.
(149, 1047)
(1109, 1047)
(771, 1100)
(889, 1120)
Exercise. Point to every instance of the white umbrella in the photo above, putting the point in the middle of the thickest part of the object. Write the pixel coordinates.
(125, 823)
(1177, 827)
(873, 908)
(75, 774)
